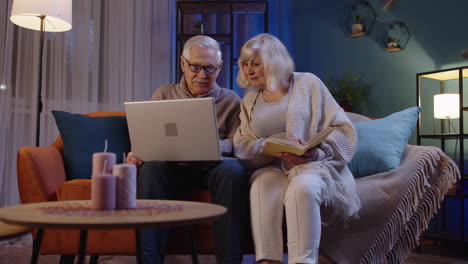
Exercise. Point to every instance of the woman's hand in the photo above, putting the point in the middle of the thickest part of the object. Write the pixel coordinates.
(309, 156)
(132, 159)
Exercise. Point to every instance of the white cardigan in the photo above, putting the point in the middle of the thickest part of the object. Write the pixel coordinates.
(311, 109)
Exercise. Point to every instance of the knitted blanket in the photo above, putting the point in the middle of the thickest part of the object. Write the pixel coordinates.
(396, 207)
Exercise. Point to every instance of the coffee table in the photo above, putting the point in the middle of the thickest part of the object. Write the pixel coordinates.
(8, 231)
(80, 215)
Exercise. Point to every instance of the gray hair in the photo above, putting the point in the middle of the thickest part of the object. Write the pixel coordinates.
(277, 63)
(201, 41)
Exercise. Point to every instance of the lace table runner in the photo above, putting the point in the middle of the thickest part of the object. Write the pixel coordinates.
(146, 208)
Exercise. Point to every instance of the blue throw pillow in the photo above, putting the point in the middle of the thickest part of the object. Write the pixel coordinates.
(381, 142)
(83, 135)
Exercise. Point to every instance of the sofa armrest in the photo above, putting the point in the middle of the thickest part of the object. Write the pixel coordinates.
(79, 189)
(396, 207)
(40, 172)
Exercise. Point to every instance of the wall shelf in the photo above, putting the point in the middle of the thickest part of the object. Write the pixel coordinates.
(358, 8)
(357, 35)
(395, 32)
(392, 49)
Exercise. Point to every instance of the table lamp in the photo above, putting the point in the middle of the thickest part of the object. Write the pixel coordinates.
(44, 16)
(446, 106)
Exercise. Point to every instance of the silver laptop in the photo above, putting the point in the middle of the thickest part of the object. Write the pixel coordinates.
(174, 130)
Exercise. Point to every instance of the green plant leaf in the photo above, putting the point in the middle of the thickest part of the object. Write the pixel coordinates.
(349, 89)
(357, 19)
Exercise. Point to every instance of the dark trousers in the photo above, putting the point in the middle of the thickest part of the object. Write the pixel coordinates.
(227, 182)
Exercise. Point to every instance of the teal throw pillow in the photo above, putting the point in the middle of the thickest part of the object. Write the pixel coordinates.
(381, 142)
(83, 135)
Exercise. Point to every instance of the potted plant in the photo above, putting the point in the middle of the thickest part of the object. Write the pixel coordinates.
(357, 26)
(349, 91)
(391, 42)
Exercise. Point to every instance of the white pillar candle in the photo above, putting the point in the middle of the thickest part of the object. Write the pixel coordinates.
(101, 159)
(103, 186)
(126, 185)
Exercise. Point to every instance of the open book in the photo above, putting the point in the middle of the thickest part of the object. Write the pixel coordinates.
(274, 146)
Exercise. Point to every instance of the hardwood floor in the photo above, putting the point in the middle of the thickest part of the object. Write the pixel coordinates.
(19, 251)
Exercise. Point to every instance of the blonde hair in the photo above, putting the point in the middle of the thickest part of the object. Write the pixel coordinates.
(277, 63)
(201, 41)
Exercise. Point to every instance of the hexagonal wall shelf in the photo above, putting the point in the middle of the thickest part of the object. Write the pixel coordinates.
(394, 36)
(357, 19)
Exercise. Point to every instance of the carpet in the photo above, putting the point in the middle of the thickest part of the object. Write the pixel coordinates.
(18, 251)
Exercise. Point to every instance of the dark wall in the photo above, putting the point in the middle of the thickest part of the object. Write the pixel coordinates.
(310, 30)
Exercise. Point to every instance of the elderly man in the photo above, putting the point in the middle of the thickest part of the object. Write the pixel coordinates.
(227, 180)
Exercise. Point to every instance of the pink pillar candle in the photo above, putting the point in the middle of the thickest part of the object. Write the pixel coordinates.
(126, 185)
(103, 186)
(103, 158)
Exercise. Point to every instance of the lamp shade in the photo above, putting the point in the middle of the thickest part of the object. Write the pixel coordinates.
(446, 106)
(24, 13)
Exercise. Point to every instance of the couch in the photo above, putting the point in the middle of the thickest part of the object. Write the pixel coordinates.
(396, 207)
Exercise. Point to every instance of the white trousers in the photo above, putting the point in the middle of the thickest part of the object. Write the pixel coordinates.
(301, 197)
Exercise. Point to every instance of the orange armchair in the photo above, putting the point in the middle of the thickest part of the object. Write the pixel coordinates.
(41, 178)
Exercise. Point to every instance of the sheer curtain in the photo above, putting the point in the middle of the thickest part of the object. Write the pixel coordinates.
(117, 50)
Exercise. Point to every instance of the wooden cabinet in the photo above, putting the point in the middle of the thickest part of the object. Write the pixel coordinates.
(231, 23)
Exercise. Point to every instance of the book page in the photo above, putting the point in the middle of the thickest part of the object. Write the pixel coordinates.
(274, 146)
(286, 142)
(319, 138)
(274, 149)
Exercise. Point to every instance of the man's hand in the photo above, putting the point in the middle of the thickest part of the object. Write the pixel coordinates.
(309, 156)
(132, 159)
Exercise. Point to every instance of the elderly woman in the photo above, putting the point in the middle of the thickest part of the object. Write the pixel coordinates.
(297, 106)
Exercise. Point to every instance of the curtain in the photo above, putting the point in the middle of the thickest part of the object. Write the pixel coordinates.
(117, 51)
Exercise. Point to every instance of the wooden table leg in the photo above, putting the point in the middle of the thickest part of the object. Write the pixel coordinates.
(37, 246)
(82, 249)
(193, 245)
(138, 246)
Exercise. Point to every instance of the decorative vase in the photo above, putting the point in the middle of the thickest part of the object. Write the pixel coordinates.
(392, 44)
(346, 106)
(357, 28)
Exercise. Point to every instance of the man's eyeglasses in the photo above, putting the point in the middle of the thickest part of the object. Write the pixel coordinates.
(197, 68)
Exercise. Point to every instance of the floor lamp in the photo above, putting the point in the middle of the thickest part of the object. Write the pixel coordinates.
(44, 16)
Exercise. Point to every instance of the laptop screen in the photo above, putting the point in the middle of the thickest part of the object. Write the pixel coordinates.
(174, 130)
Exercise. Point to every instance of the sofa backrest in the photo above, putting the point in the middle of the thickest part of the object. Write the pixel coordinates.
(58, 143)
(357, 117)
